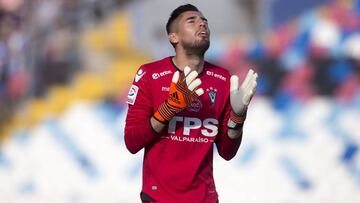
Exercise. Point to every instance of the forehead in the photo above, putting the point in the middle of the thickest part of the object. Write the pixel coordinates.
(188, 14)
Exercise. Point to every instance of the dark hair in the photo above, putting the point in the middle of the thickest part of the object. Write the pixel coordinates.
(177, 12)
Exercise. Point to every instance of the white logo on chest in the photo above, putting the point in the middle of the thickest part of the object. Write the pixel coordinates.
(208, 126)
(212, 94)
(158, 75)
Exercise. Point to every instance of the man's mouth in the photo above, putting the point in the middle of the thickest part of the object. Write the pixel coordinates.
(203, 34)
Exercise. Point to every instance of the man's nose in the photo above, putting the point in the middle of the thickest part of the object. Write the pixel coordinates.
(203, 23)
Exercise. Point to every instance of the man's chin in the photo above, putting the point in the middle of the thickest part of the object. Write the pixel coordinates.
(204, 46)
(200, 47)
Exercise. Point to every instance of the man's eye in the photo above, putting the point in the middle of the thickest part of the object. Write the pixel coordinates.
(191, 21)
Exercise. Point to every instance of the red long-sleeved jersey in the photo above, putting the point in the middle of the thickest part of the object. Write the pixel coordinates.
(177, 165)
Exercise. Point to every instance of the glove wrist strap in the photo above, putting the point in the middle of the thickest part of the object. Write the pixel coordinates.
(165, 112)
(236, 121)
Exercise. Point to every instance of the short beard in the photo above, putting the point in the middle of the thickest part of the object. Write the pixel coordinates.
(197, 48)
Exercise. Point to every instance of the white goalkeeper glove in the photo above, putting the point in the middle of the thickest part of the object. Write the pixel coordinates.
(240, 98)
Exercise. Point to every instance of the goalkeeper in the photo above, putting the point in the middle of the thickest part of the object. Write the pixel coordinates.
(179, 107)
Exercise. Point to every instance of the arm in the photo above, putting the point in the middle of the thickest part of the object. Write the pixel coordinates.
(143, 127)
(138, 131)
(227, 147)
(157, 125)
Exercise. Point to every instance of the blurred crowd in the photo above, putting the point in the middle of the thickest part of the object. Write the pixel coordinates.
(39, 45)
(318, 53)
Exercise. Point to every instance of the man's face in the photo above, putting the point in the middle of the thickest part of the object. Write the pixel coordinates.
(192, 32)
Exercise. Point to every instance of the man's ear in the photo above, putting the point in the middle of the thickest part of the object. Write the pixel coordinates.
(173, 38)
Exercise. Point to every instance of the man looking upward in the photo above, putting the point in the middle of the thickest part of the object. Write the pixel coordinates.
(179, 107)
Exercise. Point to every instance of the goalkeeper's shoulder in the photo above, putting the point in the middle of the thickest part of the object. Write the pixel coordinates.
(156, 65)
(151, 68)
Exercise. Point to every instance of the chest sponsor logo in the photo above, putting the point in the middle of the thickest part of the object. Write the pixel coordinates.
(156, 76)
(208, 127)
(138, 75)
(132, 94)
(216, 75)
(212, 95)
(165, 89)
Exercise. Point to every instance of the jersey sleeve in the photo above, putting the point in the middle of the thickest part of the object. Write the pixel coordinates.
(227, 147)
(138, 131)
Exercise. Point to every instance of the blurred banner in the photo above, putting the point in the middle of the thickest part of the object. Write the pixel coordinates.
(66, 67)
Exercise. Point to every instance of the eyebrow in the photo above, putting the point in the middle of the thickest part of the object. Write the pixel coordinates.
(194, 17)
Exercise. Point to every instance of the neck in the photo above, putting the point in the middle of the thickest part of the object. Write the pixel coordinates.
(194, 61)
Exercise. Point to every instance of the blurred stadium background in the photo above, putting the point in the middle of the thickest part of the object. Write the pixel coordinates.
(66, 67)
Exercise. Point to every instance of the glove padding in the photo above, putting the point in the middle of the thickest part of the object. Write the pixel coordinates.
(182, 92)
(240, 98)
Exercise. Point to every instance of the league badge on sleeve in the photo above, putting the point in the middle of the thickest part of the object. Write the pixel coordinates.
(132, 94)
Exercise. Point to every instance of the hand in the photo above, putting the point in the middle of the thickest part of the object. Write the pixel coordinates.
(240, 97)
(182, 92)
